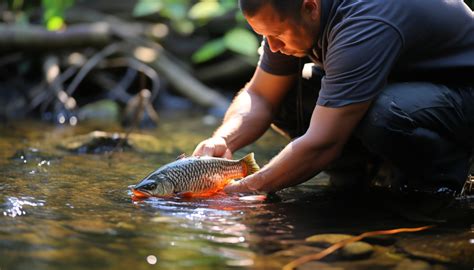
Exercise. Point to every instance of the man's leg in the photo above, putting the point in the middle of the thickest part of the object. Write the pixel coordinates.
(425, 131)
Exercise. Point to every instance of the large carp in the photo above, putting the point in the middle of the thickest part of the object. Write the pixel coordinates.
(194, 176)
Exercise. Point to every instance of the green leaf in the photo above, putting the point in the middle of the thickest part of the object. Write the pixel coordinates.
(209, 51)
(53, 15)
(175, 10)
(147, 7)
(205, 10)
(184, 27)
(229, 4)
(55, 23)
(242, 41)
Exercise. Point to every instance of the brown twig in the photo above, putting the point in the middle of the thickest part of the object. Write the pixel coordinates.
(318, 256)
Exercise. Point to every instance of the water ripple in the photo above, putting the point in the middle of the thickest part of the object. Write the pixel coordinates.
(15, 206)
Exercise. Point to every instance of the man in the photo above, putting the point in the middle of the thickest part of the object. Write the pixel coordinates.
(397, 78)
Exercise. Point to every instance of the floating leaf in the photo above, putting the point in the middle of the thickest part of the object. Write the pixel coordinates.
(241, 41)
(147, 7)
(205, 10)
(209, 51)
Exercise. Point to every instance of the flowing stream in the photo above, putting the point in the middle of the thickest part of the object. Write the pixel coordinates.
(67, 210)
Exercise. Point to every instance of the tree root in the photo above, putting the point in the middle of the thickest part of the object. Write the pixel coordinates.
(318, 256)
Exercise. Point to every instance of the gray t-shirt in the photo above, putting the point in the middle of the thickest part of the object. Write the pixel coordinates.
(365, 43)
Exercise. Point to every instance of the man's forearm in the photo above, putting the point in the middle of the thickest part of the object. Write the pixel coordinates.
(296, 163)
(247, 118)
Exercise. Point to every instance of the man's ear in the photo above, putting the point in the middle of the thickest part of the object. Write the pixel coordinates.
(310, 8)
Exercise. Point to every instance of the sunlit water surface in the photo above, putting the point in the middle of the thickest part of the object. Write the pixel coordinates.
(61, 210)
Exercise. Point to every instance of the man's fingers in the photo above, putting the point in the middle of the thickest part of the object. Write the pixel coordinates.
(235, 187)
(208, 150)
(228, 154)
(239, 186)
(214, 147)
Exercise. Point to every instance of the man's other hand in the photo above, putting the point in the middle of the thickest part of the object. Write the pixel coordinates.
(214, 147)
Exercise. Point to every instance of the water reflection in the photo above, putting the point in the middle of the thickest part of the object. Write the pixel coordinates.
(215, 223)
(16, 206)
(74, 211)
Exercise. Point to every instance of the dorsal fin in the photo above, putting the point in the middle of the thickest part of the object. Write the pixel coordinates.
(183, 155)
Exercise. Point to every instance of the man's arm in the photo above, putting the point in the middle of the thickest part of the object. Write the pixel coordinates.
(249, 115)
(301, 159)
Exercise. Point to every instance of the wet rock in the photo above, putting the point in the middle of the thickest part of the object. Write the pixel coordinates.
(356, 250)
(408, 264)
(297, 251)
(452, 249)
(34, 155)
(126, 226)
(319, 266)
(99, 142)
(91, 227)
(351, 251)
(325, 240)
(102, 110)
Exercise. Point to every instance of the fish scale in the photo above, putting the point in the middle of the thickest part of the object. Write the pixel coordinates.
(195, 175)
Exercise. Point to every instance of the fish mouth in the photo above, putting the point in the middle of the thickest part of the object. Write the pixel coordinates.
(140, 193)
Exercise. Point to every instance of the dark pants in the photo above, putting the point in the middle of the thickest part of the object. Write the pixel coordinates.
(423, 131)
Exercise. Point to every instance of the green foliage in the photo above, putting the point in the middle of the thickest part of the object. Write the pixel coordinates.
(238, 40)
(147, 7)
(174, 10)
(205, 10)
(186, 15)
(209, 51)
(242, 41)
(53, 15)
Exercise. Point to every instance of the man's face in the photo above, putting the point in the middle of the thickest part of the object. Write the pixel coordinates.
(284, 36)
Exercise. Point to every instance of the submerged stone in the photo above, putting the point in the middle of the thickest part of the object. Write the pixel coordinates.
(327, 239)
(356, 250)
(103, 110)
(451, 249)
(297, 251)
(31, 154)
(408, 264)
(351, 251)
(100, 142)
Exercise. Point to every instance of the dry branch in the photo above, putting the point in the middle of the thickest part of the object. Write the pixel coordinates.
(13, 37)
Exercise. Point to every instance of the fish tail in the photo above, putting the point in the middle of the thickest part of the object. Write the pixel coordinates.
(249, 164)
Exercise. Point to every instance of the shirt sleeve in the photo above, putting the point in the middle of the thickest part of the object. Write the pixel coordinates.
(277, 63)
(359, 58)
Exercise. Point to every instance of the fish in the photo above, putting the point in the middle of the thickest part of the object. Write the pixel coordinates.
(194, 176)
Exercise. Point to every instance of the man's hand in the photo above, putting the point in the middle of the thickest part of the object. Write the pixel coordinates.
(214, 147)
(242, 186)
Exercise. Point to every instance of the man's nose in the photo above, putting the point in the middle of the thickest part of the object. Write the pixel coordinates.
(275, 44)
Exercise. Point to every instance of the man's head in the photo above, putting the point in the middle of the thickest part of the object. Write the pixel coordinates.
(290, 26)
(284, 8)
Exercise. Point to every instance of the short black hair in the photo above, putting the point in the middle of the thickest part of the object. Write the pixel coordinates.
(284, 8)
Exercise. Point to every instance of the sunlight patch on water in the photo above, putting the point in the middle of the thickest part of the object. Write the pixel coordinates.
(151, 259)
(14, 205)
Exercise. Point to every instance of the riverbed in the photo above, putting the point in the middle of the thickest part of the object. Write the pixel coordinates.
(62, 209)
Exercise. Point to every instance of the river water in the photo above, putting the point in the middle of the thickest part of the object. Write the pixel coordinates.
(65, 210)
